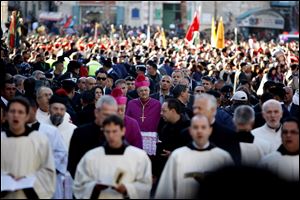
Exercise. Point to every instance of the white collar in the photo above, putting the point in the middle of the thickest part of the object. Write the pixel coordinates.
(4, 101)
(205, 146)
(272, 129)
(43, 112)
(161, 94)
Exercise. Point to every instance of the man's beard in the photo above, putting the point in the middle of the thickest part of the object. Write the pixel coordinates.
(56, 119)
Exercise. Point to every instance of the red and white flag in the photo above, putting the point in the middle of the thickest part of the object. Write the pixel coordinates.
(193, 27)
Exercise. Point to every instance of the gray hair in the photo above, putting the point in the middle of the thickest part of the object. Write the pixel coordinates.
(271, 102)
(212, 101)
(243, 114)
(106, 99)
(18, 79)
(37, 73)
(41, 89)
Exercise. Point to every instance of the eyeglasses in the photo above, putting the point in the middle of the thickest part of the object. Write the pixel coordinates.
(101, 78)
(130, 83)
(200, 91)
(165, 81)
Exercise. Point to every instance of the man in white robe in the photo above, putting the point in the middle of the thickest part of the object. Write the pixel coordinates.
(285, 161)
(60, 153)
(115, 170)
(56, 118)
(271, 130)
(178, 179)
(252, 148)
(42, 97)
(24, 154)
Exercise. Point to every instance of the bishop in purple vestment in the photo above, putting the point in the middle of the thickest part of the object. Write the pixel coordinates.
(133, 133)
(146, 111)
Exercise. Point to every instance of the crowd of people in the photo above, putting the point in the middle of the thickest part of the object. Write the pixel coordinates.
(128, 117)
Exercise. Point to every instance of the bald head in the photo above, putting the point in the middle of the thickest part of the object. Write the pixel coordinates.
(200, 130)
(90, 82)
(200, 117)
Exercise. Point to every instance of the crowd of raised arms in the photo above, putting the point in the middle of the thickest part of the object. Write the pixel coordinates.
(137, 117)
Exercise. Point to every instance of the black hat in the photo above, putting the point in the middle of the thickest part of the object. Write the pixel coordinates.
(214, 93)
(58, 99)
(129, 78)
(68, 84)
(141, 67)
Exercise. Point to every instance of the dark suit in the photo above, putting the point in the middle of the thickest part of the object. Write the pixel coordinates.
(132, 95)
(157, 96)
(87, 114)
(294, 110)
(84, 138)
(171, 139)
(106, 90)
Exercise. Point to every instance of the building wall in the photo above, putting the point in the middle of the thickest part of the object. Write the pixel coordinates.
(4, 14)
(229, 10)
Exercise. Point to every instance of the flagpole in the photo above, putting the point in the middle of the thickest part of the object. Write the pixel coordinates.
(235, 35)
(200, 11)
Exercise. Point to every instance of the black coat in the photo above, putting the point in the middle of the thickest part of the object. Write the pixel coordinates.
(156, 96)
(87, 114)
(222, 137)
(294, 110)
(84, 138)
(171, 139)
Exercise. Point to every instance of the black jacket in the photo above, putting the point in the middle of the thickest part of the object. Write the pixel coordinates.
(87, 114)
(156, 96)
(171, 139)
(84, 138)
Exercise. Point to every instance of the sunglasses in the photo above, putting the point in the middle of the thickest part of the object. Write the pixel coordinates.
(200, 91)
(101, 78)
(130, 83)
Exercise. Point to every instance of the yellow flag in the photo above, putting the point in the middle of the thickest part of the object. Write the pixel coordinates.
(220, 43)
(213, 36)
(163, 39)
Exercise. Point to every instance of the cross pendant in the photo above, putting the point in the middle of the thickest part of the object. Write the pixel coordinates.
(143, 116)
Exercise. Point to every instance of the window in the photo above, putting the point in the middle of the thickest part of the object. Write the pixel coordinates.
(157, 14)
(135, 13)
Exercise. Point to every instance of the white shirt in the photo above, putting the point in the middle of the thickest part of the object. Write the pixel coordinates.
(285, 166)
(175, 182)
(4, 101)
(270, 135)
(252, 153)
(60, 151)
(42, 116)
(66, 129)
(96, 166)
